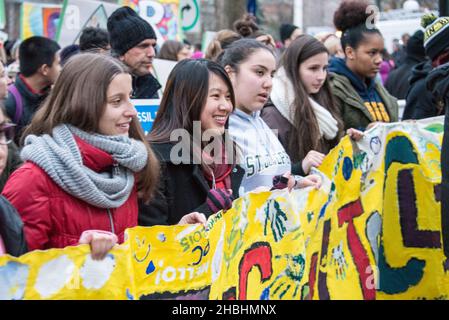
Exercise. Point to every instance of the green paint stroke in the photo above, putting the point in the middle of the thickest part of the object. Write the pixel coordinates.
(305, 291)
(277, 217)
(284, 292)
(358, 159)
(2, 14)
(309, 216)
(296, 267)
(401, 150)
(436, 128)
(399, 280)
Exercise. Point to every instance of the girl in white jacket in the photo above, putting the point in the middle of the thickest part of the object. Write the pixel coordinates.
(251, 66)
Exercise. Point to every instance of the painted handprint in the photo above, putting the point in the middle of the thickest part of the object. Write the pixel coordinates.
(339, 261)
(278, 218)
(287, 283)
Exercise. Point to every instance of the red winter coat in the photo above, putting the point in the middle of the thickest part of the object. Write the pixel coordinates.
(55, 219)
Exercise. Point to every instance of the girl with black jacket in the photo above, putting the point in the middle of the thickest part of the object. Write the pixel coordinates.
(198, 174)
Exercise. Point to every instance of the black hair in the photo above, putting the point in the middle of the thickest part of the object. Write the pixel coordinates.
(36, 51)
(185, 96)
(239, 51)
(8, 45)
(187, 43)
(286, 30)
(351, 19)
(94, 38)
(67, 52)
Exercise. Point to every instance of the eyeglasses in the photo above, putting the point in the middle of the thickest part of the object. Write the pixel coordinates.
(7, 131)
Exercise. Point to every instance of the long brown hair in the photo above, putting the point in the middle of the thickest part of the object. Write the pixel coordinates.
(170, 50)
(79, 98)
(306, 134)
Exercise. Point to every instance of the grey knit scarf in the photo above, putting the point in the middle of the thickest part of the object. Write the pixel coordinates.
(58, 155)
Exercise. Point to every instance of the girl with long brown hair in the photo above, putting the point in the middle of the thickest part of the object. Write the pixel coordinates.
(86, 160)
(301, 105)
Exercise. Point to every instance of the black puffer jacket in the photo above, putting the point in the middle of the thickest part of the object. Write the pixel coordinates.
(11, 229)
(398, 82)
(145, 87)
(420, 103)
(438, 84)
(182, 189)
(12, 163)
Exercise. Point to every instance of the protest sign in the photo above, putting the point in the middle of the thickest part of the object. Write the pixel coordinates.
(146, 112)
(79, 14)
(372, 231)
(39, 19)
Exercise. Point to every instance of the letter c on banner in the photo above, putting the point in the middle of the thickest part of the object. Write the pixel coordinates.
(259, 255)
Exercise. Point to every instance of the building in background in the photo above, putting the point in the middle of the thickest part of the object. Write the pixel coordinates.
(312, 15)
(271, 13)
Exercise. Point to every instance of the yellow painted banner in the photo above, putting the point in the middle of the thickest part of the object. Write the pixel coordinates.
(372, 231)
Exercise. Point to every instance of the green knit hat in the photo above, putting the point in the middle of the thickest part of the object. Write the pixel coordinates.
(436, 35)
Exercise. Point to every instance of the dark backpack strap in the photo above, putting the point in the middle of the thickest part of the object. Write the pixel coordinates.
(19, 104)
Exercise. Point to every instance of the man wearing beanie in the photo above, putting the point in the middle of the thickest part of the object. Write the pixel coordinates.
(420, 102)
(132, 42)
(288, 33)
(398, 80)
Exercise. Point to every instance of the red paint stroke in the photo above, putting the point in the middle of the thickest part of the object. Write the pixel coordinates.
(259, 255)
(346, 215)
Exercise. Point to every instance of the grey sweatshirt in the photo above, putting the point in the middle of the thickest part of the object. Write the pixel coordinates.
(259, 151)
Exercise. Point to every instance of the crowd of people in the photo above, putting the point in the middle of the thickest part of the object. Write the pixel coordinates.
(245, 115)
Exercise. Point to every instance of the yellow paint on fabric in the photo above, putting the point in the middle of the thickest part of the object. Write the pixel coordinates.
(372, 231)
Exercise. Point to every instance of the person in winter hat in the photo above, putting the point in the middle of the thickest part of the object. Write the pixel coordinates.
(420, 102)
(437, 83)
(133, 41)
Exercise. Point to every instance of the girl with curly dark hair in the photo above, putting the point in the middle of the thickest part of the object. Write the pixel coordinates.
(358, 92)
